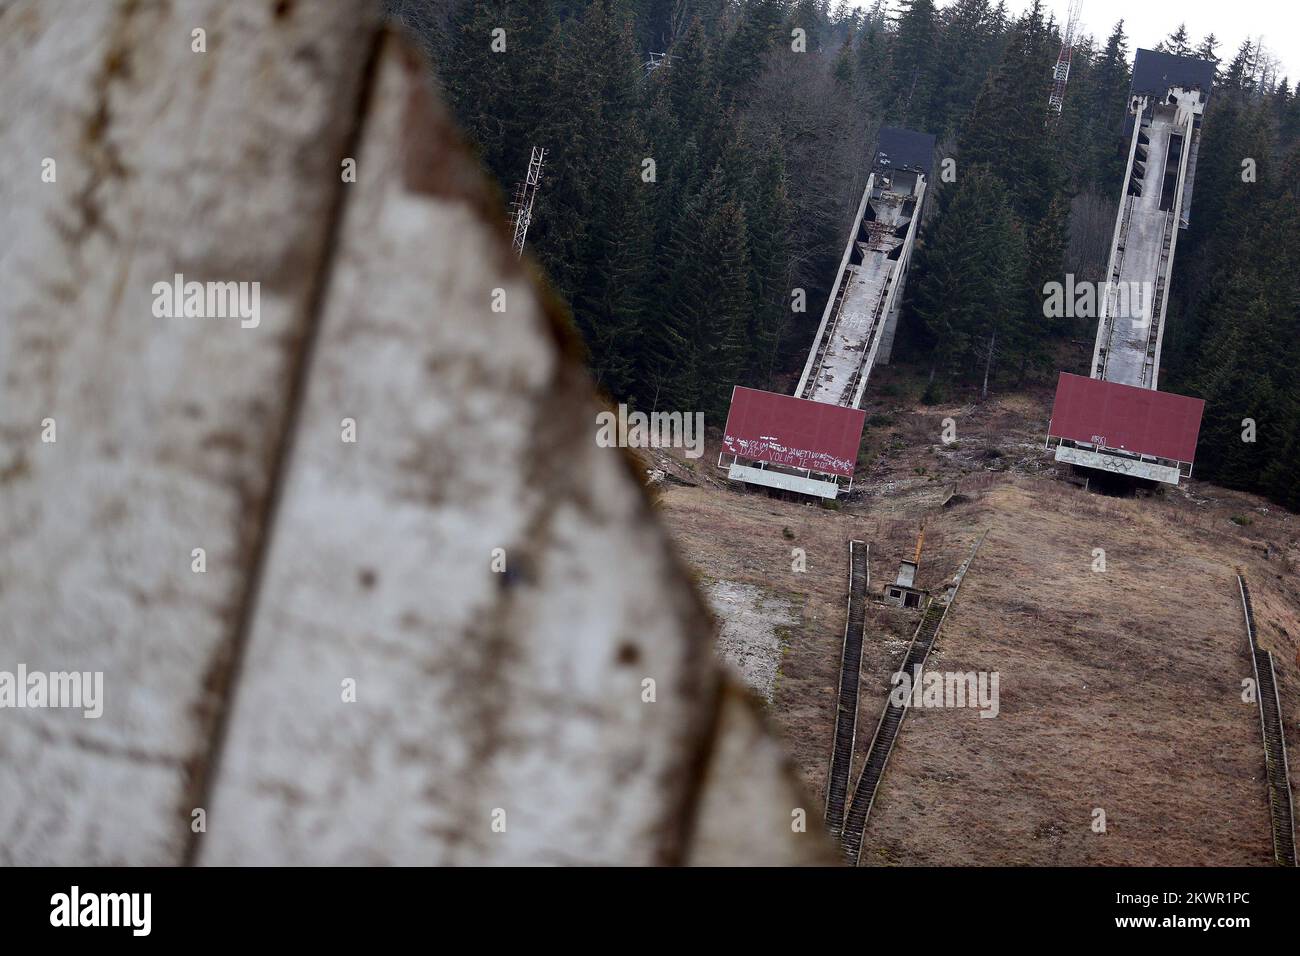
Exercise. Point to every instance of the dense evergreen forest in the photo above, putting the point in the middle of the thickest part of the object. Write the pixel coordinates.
(693, 214)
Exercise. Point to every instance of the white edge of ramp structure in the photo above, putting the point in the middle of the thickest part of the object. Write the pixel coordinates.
(839, 283)
(1128, 245)
(882, 334)
(782, 480)
(861, 310)
(1118, 464)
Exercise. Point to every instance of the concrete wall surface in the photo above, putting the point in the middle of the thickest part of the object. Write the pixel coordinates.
(273, 533)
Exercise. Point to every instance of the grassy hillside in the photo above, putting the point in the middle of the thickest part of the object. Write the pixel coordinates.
(1120, 689)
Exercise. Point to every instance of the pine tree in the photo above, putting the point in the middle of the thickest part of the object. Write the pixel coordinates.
(1280, 105)
(743, 56)
(1236, 387)
(608, 258)
(1104, 99)
(1241, 76)
(768, 216)
(843, 71)
(1044, 263)
(969, 274)
(1178, 43)
(654, 19)
(1237, 347)
(1026, 240)
(1271, 251)
(1005, 129)
(872, 66)
(1208, 50)
(689, 77)
(914, 62)
(500, 96)
(696, 350)
(962, 63)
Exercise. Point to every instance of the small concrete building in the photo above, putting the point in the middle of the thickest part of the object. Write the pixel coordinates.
(902, 593)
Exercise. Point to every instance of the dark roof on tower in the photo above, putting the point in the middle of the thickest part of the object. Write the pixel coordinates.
(1155, 73)
(907, 147)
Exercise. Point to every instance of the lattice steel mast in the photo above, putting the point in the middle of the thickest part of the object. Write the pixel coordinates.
(1061, 73)
(521, 215)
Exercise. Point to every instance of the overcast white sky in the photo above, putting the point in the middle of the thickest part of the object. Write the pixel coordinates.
(1147, 22)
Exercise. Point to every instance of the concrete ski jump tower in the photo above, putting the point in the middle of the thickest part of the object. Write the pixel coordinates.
(1112, 425)
(861, 315)
(779, 441)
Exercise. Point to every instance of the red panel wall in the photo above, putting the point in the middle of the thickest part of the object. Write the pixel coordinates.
(784, 430)
(1122, 416)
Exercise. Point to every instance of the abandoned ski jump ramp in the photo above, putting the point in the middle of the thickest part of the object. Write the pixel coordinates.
(861, 314)
(1166, 102)
(780, 449)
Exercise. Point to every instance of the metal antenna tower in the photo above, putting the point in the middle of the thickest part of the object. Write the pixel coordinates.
(1061, 73)
(657, 60)
(521, 214)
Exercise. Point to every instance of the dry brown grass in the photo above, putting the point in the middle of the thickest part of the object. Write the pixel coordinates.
(1120, 690)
